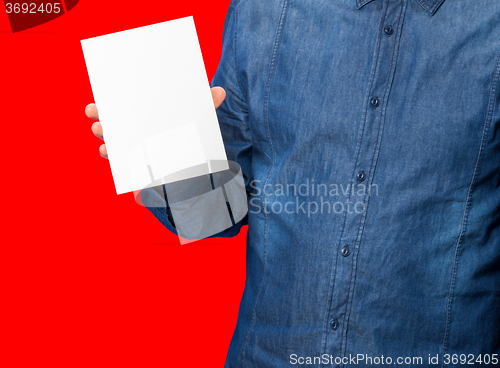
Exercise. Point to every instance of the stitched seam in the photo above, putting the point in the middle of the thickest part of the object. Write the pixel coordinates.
(272, 69)
(429, 8)
(330, 300)
(390, 78)
(477, 168)
(235, 43)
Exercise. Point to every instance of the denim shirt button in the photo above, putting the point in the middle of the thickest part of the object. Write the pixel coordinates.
(375, 102)
(334, 324)
(345, 250)
(361, 175)
(388, 30)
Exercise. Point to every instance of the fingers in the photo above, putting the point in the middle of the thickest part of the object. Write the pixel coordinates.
(91, 111)
(218, 95)
(103, 151)
(97, 130)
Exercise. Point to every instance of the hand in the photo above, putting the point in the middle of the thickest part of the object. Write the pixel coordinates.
(218, 95)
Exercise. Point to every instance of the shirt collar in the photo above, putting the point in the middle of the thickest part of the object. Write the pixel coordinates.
(430, 5)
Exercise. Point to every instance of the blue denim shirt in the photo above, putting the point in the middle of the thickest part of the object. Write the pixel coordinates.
(368, 133)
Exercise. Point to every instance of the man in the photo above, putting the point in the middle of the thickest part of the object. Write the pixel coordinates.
(368, 132)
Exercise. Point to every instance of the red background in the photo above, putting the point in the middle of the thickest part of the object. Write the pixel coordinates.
(89, 278)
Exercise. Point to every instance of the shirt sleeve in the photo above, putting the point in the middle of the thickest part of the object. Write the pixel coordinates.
(233, 120)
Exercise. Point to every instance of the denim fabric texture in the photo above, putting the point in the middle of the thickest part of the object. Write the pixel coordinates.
(368, 133)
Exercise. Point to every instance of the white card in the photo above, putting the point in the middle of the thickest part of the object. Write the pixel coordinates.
(155, 106)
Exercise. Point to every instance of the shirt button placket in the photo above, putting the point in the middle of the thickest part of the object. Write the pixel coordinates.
(384, 61)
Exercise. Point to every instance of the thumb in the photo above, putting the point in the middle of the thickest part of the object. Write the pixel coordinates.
(218, 95)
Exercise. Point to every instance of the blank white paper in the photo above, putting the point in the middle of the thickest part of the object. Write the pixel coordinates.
(155, 106)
